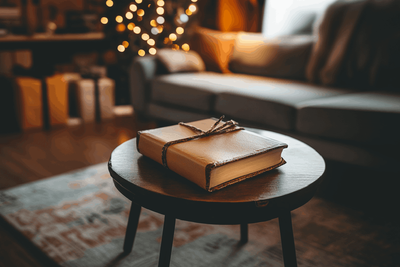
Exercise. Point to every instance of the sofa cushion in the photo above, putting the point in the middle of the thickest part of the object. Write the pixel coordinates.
(283, 57)
(269, 101)
(196, 91)
(180, 61)
(365, 117)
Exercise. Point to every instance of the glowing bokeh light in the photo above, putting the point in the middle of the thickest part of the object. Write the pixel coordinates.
(121, 48)
(137, 30)
(152, 51)
(160, 3)
(153, 23)
(139, 1)
(151, 42)
(154, 31)
(145, 36)
(119, 19)
(133, 7)
(141, 52)
(179, 30)
(109, 3)
(188, 12)
(131, 26)
(125, 44)
(175, 47)
(120, 27)
(184, 18)
(192, 8)
(185, 47)
(160, 10)
(173, 37)
(104, 20)
(129, 15)
(160, 20)
(140, 12)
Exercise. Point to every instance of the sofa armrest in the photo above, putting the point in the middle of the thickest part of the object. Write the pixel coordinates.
(141, 72)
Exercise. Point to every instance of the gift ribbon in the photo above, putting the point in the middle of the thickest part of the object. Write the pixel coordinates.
(227, 127)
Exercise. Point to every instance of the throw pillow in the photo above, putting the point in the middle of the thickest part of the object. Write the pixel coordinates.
(281, 57)
(180, 61)
(214, 47)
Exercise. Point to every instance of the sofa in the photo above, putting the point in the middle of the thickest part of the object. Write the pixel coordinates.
(285, 85)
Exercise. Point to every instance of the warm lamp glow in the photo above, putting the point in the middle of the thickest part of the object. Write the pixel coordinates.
(137, 30)
(179, 30)
(109, 3)
(151, 42)
(160, 10)
(160, 20)
(121, 48)
(152, 51)
(185, 47)
(104, 20)
(145, 36)
(173, 37)
(119, 19)
(140, 12)
(141, 52)
(133, 7)
(125, 44)
(160, 3)
(129, 15)
(131, 26)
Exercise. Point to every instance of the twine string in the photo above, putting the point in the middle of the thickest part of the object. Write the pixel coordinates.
(227, 127)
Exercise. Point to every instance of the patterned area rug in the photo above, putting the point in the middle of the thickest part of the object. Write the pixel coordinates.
(79, 219)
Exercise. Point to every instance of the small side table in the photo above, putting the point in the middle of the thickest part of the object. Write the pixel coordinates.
(273, 194)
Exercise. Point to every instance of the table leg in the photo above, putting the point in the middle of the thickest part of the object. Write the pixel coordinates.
(166, 242)
(244, 233)
(288, 249)
(131, 227)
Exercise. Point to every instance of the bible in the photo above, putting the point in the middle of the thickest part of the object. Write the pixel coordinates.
(212, 154)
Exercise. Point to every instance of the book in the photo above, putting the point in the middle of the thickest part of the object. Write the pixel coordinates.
(212, 162)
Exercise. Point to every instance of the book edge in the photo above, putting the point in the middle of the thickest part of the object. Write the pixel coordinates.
(244, 177)
(214, 165)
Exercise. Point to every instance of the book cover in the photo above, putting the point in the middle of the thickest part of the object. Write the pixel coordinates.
(212, 158)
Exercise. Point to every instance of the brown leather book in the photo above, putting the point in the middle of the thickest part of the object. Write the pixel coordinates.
(212, 162)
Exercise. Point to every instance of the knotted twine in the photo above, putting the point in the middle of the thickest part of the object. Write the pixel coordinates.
(227, 127)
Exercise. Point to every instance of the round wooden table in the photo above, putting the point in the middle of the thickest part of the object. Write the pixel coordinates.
(273, 194)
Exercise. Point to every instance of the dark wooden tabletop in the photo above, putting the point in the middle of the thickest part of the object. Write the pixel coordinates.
(152, 186)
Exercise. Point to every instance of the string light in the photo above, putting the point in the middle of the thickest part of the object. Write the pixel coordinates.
(153, 23)
(139, 1)
(109, 3)
(121, 48)
(137, 30)
(133, 7)
(119, 19)
(140, 12)
(145, 36)
(179, 30)
(104, 20)
(160, 3)
(141, 52)
(184, 18)
(152, 51)
(185, 47)
(160, 10)
(188, 12)
(129, 15)
(173, 37)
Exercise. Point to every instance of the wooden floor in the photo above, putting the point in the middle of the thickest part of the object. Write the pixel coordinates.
(35, 155)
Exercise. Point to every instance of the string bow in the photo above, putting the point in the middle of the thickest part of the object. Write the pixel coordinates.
(227, 127)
